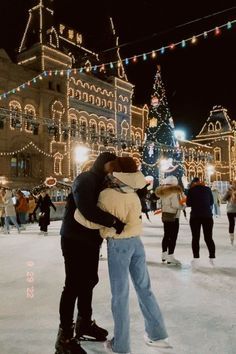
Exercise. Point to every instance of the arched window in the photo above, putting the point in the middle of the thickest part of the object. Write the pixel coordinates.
(217, 154)
(57, 165)
(30, 117)
(15, 115)
(218, 126)
(210, 127)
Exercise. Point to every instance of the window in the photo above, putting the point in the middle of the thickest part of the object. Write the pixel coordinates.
(20, 165)
(210, 127)
(217, 154)
(218, 126)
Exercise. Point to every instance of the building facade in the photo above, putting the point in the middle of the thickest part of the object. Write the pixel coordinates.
(43, 120)
(57, 97)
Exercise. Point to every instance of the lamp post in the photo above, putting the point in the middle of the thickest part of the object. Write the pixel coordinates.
(210, 171)
(80, 156)
(3, 181)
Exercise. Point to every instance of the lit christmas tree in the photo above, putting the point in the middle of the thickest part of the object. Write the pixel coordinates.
(161, 155)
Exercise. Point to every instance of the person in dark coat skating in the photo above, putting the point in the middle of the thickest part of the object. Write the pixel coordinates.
(80, 248)
(43, 204)
(200, 199)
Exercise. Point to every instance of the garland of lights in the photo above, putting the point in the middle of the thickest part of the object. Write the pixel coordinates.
(102, 67)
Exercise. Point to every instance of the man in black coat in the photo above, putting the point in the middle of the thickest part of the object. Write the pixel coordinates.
(80, 248)
(200, 199)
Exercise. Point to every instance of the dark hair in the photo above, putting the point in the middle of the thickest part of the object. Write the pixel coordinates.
(101, 160)
(124, 164)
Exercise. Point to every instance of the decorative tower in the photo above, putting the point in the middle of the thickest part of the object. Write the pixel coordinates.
(161, 155)
(39, 48)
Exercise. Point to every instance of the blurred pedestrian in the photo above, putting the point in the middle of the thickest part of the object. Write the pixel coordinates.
(21, 208)
(31, 211)
(216, 200)
(230, 198)
(10, 213)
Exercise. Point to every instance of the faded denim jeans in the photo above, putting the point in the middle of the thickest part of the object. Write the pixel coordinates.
(128, 256)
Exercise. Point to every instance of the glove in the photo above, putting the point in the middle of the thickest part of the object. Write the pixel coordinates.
(118, 225)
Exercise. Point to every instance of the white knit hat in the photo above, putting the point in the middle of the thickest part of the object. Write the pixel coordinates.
(134, 180)
(171, 180)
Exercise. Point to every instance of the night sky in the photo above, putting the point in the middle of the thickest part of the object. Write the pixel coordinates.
(196, 77)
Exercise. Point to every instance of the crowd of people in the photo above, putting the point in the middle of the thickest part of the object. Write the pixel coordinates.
(17, 209)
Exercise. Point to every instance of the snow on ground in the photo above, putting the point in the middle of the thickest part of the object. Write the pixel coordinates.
(199, 307)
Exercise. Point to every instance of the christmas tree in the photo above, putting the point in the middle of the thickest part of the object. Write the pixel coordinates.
(161, 155)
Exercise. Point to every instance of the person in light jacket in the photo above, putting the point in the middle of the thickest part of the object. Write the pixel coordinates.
(10, 212)
(230, 198)
(126, 256)
(171, 195)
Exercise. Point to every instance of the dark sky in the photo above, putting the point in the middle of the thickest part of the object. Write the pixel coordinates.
(196, 78)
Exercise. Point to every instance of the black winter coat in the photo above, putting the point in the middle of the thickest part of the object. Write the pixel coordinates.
(84, 196)
(200, 199)
(44, 204)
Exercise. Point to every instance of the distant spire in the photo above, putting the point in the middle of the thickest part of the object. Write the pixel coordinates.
(120, 70)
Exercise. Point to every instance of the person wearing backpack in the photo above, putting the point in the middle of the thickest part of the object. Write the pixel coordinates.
(230, 198)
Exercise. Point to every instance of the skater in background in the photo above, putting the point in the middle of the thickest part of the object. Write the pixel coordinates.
(21, 208)
(10, 212)
(43, 204)
(171, 195)
(216, 200)
(31, 211)
(200, 199)
(230, 198)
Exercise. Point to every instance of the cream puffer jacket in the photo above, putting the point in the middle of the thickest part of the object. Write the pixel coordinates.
(170, 198)
(125, 206)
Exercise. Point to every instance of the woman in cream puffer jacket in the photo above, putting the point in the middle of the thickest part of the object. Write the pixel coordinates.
(126, 256)
(123, 203)
(171, 195)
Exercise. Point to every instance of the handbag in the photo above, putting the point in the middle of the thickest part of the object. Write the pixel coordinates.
(168, 217)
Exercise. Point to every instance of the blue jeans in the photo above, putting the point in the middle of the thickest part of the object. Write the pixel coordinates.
(128, 256)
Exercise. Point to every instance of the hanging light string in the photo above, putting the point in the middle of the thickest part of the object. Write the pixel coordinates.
(164, 32)
(102, 67)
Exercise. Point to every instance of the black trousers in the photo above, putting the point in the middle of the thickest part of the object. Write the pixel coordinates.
(207, 226)
(171, 230)
(231, 218)
(81, 270)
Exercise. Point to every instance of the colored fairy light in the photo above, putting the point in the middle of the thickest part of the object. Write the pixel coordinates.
(194, 39)
(81, 70)
(154, 54)
(126, 61)
(111, 65)
(162, 50)
(172, 46)
(144, 56)
(205, 34)
(217, 31)
(229, 25)
(183, 44)
(95, 68)
(135, 59)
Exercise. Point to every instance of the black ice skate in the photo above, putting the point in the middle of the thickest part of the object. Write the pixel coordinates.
(66, 344)
(89, 331)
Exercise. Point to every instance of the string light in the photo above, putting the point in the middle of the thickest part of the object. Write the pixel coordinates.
(102, 67)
